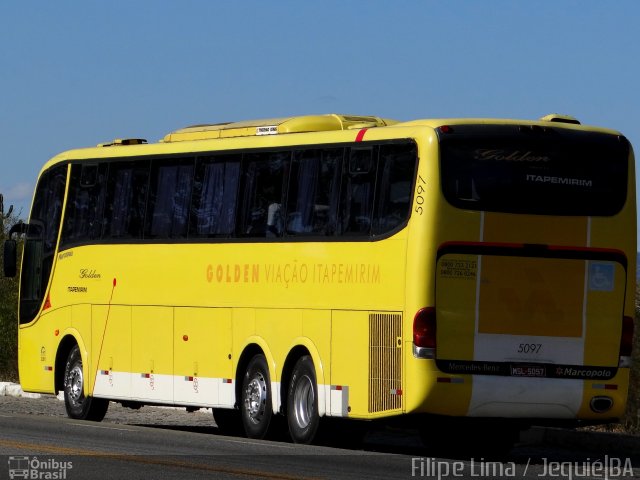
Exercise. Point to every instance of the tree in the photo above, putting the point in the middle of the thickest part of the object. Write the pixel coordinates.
(8, 306)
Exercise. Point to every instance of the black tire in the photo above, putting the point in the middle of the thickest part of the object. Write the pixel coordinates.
(228, 421)
(79, 406)
(256, 407)
(302, 402)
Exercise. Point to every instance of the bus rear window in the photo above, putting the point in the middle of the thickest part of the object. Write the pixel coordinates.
(547, 171)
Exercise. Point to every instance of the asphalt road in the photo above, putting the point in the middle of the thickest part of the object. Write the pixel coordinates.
(35, 436)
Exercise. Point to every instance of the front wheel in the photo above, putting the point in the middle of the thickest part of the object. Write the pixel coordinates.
(79, 406)
(302, 402)
(256, 408)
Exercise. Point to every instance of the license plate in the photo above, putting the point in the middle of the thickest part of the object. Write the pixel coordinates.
(528, 371)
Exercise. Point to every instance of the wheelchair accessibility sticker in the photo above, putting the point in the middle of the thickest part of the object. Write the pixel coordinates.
(601, 276)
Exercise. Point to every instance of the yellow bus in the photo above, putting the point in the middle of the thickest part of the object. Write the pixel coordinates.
(478, 272)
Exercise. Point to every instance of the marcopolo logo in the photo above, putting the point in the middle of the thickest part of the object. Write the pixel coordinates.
(36, 469)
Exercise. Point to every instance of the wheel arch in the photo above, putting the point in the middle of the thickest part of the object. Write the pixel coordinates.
(69, 340)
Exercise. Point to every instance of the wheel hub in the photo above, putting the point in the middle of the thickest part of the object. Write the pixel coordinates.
(256, 397)
(75, 382)
(303, 400)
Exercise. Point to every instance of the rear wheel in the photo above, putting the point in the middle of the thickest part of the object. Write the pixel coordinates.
(78, 405)
(302, 402)
(256, 408)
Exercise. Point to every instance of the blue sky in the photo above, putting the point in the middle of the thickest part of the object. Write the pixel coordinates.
(80, 73)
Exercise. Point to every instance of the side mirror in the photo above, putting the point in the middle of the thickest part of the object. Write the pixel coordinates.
(10, 258)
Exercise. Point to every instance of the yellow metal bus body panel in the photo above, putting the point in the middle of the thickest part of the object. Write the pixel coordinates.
(146, 298)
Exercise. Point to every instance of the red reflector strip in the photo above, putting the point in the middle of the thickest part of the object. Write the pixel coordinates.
(104, 372)
(145, 375)
(47, 303)
(395, 391)
(188, 379)
(336, 387)
(48, 368)
(604, 386)
(227, 380)
(360, 135)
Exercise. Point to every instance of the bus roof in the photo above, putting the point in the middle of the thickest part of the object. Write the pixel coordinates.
(334, 122)
(287, 125)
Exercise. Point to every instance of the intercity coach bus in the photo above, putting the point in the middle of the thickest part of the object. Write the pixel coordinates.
(336, 266)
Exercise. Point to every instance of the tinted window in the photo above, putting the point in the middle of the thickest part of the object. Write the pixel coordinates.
(169, 199)
(215, 196)
(126, 199)
(545, 171)
(264, 178)
(40, 243)
(395, 179)
(85, 203)
(358, 191)
(314, 190)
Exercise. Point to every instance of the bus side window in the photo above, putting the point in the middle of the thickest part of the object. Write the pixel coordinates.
(358, 191)
(127, 196)
(314, 188)
(169, 199)
(264, 176)
(395, 178)
(85, 204)
(215, 196)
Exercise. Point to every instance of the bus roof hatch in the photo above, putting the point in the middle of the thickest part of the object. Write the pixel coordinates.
(123, 141)
(556, 117)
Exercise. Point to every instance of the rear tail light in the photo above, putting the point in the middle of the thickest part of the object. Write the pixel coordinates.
(626, 340)
(424, 328)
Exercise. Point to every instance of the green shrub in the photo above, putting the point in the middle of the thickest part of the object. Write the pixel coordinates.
(8, 329)
(8, 313)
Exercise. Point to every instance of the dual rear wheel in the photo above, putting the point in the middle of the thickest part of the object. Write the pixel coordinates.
(256, 408)
(255, 414)
(302, 402)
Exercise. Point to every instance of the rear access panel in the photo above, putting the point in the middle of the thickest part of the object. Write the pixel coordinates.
(529, 312)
